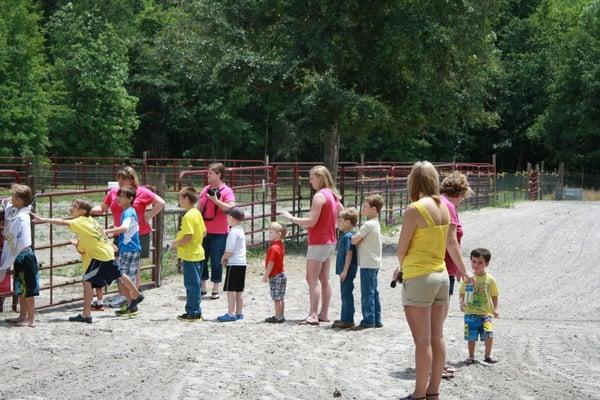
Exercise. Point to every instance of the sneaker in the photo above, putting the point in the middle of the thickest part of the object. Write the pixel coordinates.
(135, 302)
(189, 318)
(118, 301)
(126, 311)
(361, 327)
(81, 318)
(490, 360)
(226, 318)
(379, 325)
(239, 316)
(97, 307)
(274, 320)
(342, 325)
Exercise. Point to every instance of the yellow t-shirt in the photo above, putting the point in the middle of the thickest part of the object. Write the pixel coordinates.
(192, 223)
(93, 242)
(483, 290)
(427, 248)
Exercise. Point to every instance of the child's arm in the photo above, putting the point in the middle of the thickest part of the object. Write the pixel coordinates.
(183, 241)
(347, 263)
(118, 230)
(56, 221)
(462, 302)
(226, 257)
(495, 302)
(268, 270)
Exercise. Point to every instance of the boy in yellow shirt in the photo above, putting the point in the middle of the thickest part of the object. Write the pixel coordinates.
(97, 257)
(188, 243)
(480, 304)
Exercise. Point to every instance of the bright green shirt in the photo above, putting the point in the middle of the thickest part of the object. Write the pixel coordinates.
(484, 289)
(192, 223)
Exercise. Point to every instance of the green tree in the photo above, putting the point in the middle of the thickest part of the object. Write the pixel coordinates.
(24, 106)
(569, 127)
(95, 114)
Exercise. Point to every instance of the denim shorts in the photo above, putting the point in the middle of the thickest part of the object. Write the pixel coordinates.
(481, 326)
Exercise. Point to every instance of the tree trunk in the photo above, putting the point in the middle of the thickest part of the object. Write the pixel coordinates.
(332, 151)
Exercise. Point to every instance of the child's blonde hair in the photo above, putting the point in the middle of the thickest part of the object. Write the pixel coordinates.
(424, 180)
(279, 228)
(326, 179)
(349, 214)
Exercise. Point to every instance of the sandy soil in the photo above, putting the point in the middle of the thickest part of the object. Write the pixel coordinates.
(546, 261)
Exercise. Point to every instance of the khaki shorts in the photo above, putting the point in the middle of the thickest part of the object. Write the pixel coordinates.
(426, 290)
(320, 252)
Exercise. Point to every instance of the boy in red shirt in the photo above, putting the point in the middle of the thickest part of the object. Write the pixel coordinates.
(274, 273)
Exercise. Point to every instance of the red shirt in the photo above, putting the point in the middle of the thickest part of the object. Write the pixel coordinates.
(143, 198)
(214, 218)
(275, 253)
(323, 232)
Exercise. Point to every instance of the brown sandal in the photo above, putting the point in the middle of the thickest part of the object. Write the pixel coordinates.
(410, 397)
(430, 395)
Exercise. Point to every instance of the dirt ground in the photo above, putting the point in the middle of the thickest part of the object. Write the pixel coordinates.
(545, 257)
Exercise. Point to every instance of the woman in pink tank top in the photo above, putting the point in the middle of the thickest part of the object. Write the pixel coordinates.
(320, 222)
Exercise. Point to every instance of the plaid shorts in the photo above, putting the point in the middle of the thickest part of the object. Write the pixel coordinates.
(129, 263)
(277, 285)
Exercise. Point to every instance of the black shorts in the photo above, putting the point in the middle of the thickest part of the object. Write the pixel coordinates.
(27, 279)
(235, 278)
(145, 242)
(451, 278)
(102, 273)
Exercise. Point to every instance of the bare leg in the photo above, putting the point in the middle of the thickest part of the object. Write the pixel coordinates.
(325, 291)
(488, 347)
(239, 303)
(88, 295)
(231, 303)
(278, 309)
(313, 270)
(472, 350)
(129, 286)
(22, 312)
(438, 346)
(29, 304)
(216, 287)
(419, 320)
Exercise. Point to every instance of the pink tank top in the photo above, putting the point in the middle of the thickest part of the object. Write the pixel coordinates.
(324, 230)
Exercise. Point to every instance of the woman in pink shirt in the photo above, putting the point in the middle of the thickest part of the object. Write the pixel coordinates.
(213, 201)
(454, 189)
(321, 223)
(144, 198)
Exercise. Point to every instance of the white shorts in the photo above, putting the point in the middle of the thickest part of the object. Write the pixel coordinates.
(320, 252)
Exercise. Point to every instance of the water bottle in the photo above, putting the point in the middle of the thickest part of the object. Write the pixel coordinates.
(469, 292)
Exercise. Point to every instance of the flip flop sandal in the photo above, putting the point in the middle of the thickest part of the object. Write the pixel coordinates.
(410, 397)
(447, 375)
(429, 396)
(490, 360)
(214, 296)
(306, 322)
(470, 361)
(323, 320)
(449, 369)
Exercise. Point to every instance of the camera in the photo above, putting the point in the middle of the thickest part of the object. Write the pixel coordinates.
(214, 192)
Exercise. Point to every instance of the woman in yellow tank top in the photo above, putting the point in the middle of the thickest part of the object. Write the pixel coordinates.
(421, 251)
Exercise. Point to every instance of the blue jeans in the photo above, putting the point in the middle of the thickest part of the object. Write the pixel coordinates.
(214, 247)
(371, 307)
(346, 289)
(192, 271)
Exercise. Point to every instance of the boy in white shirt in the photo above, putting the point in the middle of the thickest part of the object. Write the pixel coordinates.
(234, 260)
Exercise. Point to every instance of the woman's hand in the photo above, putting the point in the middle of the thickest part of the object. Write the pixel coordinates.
(286, 214)
(396, 273)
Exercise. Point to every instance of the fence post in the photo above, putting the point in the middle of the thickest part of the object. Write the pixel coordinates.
(159, 229)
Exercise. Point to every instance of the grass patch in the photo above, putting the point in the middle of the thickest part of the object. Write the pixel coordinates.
(591, 195)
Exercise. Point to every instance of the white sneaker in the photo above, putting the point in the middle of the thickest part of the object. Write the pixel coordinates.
(118, 301)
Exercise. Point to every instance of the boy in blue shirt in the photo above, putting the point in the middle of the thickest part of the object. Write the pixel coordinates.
(130, 246)
(346, 266)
